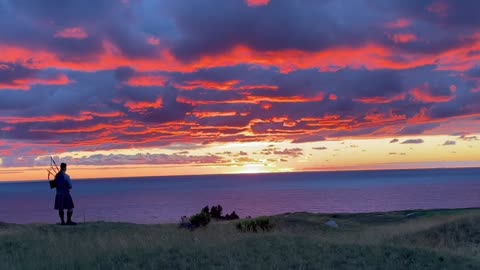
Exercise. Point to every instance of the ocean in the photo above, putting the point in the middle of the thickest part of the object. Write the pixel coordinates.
(165, 199)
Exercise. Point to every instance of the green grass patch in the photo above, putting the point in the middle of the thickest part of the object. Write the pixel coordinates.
(429, 240)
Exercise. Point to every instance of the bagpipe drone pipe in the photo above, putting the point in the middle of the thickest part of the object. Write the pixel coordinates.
(53, 170)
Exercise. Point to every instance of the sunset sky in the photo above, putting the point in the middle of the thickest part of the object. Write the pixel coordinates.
(142, 87)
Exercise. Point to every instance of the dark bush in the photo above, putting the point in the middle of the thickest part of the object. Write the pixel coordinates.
(201, 219)
(216, 212)
(204, 217)
(231, 216)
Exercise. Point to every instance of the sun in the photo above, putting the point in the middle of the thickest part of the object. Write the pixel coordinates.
(253, 168)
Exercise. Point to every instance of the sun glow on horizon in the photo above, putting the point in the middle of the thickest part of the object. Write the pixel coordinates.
(263, 157)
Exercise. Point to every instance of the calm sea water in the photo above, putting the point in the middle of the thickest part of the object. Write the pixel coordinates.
(166, 199)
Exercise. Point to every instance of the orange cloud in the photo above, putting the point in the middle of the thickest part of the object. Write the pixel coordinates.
(328, 122)
(74, 33)
(379, 119)
(222, 86)
(260, 86)
(147, 80)
(142, 106)
(371, 56)
(213, 114)
(380, 100)
(24, 84)
(257, 3)
(250, 99)
(266, 106)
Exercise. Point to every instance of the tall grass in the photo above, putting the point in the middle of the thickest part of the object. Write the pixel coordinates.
(430, 240)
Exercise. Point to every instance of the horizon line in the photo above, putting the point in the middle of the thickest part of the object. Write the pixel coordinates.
(249, 173)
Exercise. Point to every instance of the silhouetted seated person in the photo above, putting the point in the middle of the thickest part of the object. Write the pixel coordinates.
(63, 199)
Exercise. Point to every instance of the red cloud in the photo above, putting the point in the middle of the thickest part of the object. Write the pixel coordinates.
(256, 3)
(380, 100)
(24, 84)
(251, 99)
(424, 94)
(221, 86)
(213, 114)
(266, 106)
(147, 80)
(379, 119)
(143, 106)
(74, 33)
(420, 117)
(371, 56)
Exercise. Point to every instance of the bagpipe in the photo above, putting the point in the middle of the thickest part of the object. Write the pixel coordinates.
(53, 170)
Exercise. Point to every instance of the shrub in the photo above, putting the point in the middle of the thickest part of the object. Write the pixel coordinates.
(231, 216)
(204, 217)
(264, 223)
(251, 225)
(201, 219)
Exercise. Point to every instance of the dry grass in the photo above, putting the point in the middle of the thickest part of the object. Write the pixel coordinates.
(426, 240)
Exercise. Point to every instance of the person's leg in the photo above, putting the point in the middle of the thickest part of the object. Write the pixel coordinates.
(69, 217)
(61, 214)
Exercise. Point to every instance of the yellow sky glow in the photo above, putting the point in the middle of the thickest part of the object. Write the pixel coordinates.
(347, 154)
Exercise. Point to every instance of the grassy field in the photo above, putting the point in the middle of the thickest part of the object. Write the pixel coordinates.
(441, 239)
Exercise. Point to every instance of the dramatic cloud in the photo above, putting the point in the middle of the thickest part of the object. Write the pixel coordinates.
(14, 76)
(123, 75)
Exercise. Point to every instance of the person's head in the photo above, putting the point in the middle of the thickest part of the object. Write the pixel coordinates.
(63, 167)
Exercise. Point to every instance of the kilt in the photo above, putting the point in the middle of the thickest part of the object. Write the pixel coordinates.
(63, 201)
